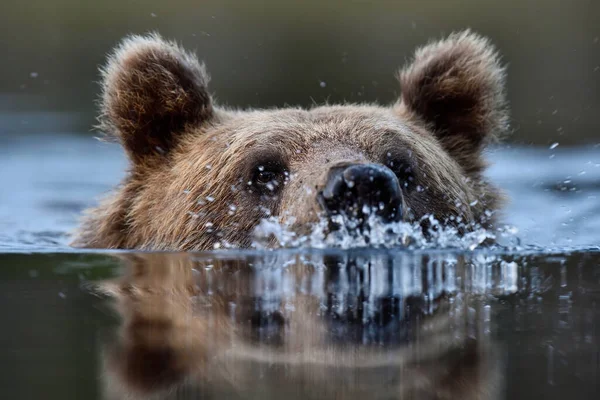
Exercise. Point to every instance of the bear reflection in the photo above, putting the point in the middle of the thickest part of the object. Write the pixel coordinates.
(308, 326)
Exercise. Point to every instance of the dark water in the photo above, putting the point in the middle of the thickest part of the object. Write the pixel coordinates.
(383, 324)
(387, 325)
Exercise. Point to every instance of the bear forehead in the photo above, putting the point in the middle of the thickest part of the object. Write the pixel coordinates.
(369, 129)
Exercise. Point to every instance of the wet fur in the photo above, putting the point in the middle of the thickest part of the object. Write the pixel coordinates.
(184, 150)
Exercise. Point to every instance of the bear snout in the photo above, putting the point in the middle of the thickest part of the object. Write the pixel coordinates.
(357, 190)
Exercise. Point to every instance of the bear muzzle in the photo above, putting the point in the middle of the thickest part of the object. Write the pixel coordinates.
(357, 191)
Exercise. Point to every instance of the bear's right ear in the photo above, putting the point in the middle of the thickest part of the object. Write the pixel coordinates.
(151, 91)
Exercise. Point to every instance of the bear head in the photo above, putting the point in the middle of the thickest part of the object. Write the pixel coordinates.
(201, 175)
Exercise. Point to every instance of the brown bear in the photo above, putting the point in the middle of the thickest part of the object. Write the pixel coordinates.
(203, 175)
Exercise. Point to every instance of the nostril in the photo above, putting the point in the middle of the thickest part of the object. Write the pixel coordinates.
(335, 184)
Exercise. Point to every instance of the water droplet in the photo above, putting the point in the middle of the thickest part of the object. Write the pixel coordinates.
(322, 84)
(553, 146)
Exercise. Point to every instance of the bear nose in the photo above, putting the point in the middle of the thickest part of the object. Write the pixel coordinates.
(358, 189)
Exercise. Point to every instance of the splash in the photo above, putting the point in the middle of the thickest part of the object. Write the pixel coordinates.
(374, 233)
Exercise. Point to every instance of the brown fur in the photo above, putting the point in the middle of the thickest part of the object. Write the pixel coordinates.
(456, 87)
(188, 330)
(151, 91)
(191, 161)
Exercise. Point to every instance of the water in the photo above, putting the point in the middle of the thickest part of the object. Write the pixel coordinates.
(310, 324)
(304, 323)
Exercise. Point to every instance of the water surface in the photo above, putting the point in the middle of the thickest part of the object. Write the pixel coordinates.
(301, 324)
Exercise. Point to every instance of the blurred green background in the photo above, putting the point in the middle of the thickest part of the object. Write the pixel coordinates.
(273, 53)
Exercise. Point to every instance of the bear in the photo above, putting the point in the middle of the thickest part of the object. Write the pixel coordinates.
(202, 176)
(322, 327)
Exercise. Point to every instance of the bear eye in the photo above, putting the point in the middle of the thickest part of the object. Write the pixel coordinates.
(265, 177)
(268, 177)
(403, 170)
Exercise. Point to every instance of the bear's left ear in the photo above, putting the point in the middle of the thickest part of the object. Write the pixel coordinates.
(456, 87)
(152, 90)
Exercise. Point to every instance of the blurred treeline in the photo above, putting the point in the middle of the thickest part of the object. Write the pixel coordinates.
(275, 52)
